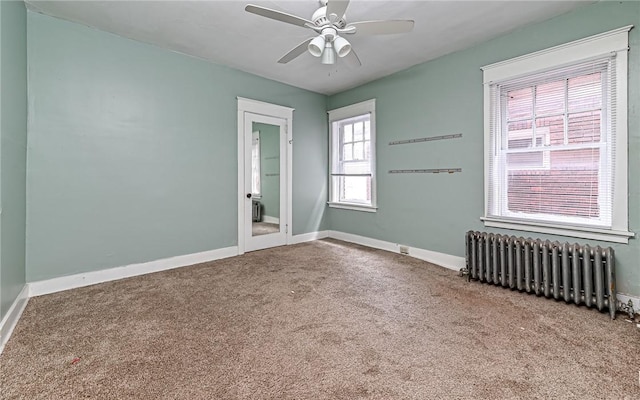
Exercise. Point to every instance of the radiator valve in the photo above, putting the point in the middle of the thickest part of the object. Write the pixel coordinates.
(628, 308)
(465, 272)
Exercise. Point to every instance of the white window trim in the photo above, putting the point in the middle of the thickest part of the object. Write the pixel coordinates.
(352, 206)
(615, 41)
(353, 110)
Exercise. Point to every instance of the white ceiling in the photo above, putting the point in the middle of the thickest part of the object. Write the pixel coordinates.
(222, 32)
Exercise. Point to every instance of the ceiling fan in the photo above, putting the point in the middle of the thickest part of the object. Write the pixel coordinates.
(329, 22)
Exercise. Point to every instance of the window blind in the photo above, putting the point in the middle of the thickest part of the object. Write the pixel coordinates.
(552, 149)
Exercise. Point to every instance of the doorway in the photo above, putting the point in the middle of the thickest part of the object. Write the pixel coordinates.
(264, 175)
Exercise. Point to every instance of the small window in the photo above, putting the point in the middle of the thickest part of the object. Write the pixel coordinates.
(352, 173)
(556, 140)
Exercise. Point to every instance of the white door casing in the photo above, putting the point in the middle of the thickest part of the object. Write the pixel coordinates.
(250, 111)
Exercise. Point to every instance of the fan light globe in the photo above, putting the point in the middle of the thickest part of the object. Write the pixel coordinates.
(317, 45)
(328, 55)
(342, 46)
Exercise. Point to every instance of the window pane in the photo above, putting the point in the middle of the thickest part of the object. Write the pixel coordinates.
(527, 160)
(367, 130)
(367, 150)
(552, 128)
(568, 188)
(519, 104)
(585, 92)
(550, 98)
(575, 160)
(584, 127)
(355, 189)
(356, 167)
(347, 154)
(519, 135)
(358, 151)
(357, 131)
(348, 137)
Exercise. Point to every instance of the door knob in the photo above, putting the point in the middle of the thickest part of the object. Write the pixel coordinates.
(248, 195)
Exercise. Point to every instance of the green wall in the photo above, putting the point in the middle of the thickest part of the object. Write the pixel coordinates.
(13, 149)
(133, 151)
(433, 211)
(270, 164)
(132, 148)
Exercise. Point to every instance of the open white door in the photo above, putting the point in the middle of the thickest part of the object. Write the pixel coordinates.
(264, 176)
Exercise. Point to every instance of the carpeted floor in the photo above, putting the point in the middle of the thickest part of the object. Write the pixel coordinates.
(319, 320)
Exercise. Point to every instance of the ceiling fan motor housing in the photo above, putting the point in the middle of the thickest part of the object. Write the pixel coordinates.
(320, 18)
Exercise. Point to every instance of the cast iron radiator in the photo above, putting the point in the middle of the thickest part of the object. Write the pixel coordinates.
(571, 272)
(256, 211)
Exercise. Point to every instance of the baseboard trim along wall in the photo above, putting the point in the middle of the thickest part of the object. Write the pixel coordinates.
(53, 285)
(270, 220)
(309, 237)
(62, 283)
(444, 260)
(10, 320)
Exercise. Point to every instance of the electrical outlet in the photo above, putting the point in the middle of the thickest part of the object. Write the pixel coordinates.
(404, 249)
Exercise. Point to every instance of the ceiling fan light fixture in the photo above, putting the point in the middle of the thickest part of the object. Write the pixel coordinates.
(317, 45)
(328, 55)
(342, 46)
(328, 21)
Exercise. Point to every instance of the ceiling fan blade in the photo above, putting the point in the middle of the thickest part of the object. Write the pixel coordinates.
(277, 15)
(352, 59)
(337, 7)
(295, 52)
(382, 27)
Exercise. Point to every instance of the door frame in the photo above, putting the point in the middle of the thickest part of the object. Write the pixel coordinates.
(246, 105)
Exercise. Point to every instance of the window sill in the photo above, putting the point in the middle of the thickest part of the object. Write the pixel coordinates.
(604, 235)
(355, 207)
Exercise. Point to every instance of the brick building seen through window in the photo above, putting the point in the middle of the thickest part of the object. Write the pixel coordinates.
(553, 146)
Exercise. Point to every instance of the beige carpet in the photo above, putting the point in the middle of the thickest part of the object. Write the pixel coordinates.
(320, 320)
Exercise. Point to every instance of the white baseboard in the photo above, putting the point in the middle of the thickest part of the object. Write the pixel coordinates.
(448, 261)
(91, 278)
(308, 237)
(270, 220)
(10, 320)
(444, 260)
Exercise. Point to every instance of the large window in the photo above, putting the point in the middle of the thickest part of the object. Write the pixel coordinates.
(556, 140)
(353, 157)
